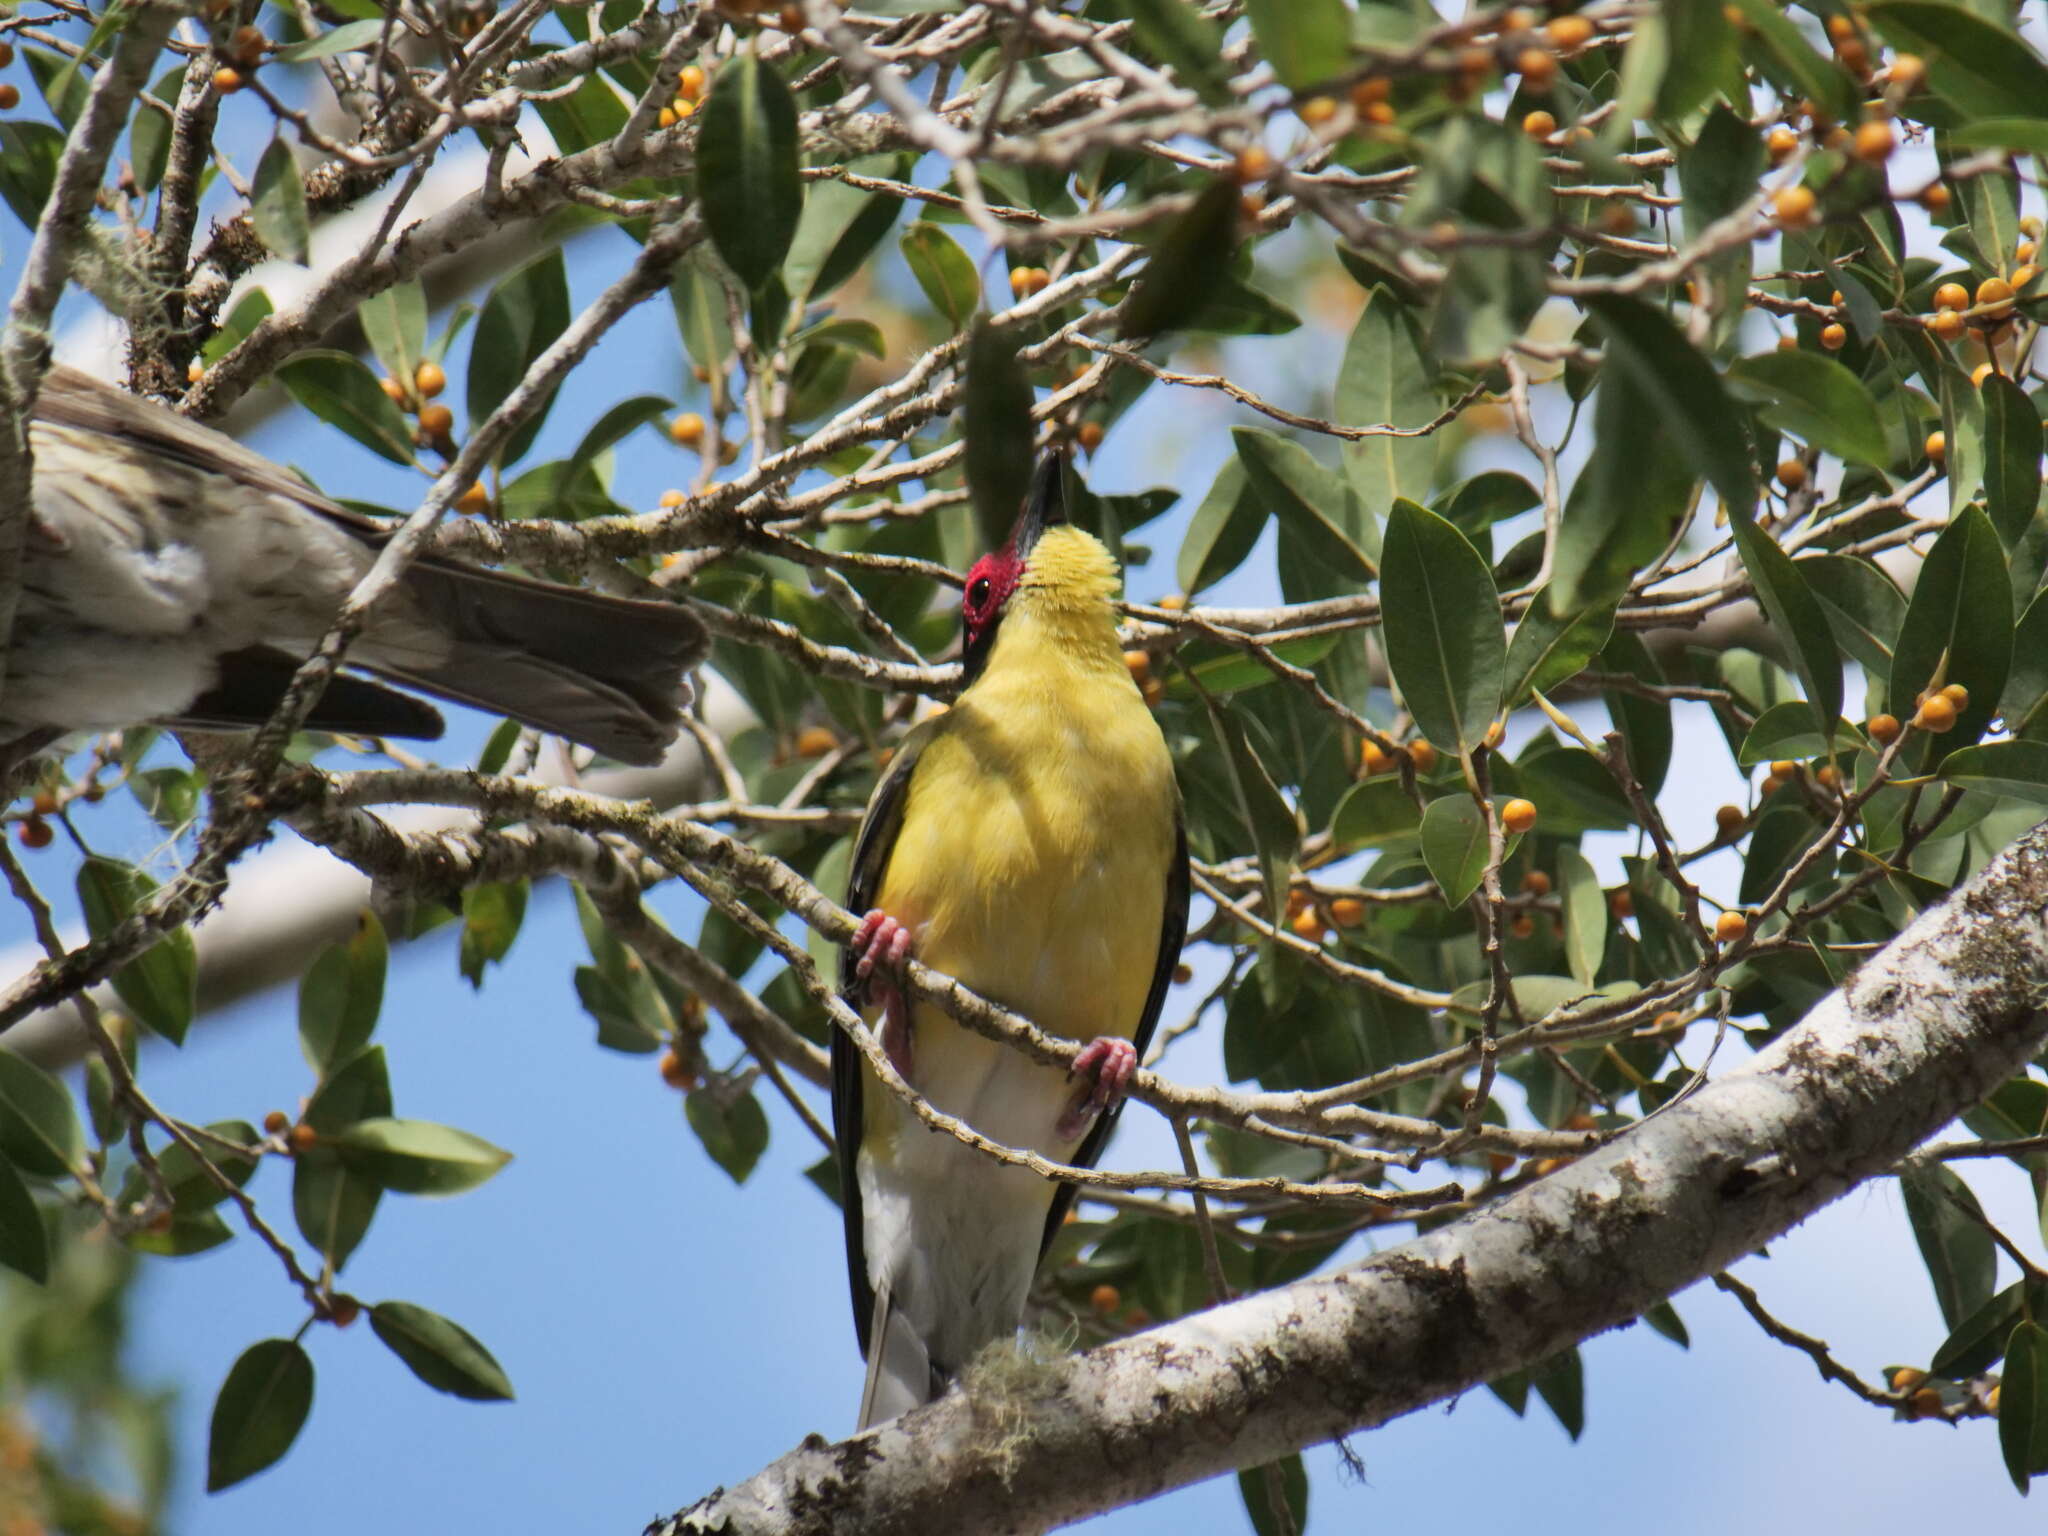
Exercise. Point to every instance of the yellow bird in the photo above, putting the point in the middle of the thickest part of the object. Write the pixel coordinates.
(1028, 841)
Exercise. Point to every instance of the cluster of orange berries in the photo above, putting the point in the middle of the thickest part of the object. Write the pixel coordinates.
(1025, 282)
(1140, 665)
(689, 91)
(34, 828)
(1310, 919)
(788, 17)
(10, 93)
(1936, 711)
(245, 50)
(1375, 759)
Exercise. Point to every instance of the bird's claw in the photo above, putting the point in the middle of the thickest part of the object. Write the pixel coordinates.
(882, 942)
(1112, 1062)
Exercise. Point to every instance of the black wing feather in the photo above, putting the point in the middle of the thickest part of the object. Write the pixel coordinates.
(871, 850)
(1173, 929)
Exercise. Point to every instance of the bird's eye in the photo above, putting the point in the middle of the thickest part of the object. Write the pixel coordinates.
(978, 593)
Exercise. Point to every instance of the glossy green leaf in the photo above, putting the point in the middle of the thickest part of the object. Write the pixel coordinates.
(1561, 1382)
(1373, 811)
(1863, 605)
(1187, 266)
(1222, 531)
(1796, 615)
(1384, 381)
(1977, 1343)
(1815, 399)
(2026, 690)
(747, 168)
(394, 321)
(1285, 1480)
(1269, 822)
(192, 1188)
(524, 315)
(2025, 135)
(1961, 1258)
(944, 271)
(417, 1157)
(1584, 905)
(1454, 846)
(734, 1131)
(1795, 60)
(445, 1355)
(618, 423)
(29, 152)
(1976, 66)
(2012, 456)
(260, 1410)
(1960, 613)
(161, 983)
(1308, 501)
(149, 131)
(1441, 627)
(998, 429)
(277, 205)
(1487, 498)
(840, 227)
(2023, 1404)
(24, 1244)
(2017, 769)
(1646, 352)
(345, 38)
(336, 387)
(1549, 648)
(698, 299)
(189, 1232)
(491, 917)
(1788, 729)
(332, 1203)
(1306, 41)
(341, 994)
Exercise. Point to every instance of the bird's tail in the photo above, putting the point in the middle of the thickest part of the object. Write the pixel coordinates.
(605, 671)
(901, 1375)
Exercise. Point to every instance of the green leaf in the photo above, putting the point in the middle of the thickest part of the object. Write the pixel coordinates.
(277, 204)
(443, 1354)
(345, 38)
(840, 228)
(417, 1157)
(394, 321)
(29, 152)
(1255, 1485)
(2016, 769)
(1647, 353)
(336, 387)
(1187, 266)
(1384, 381)
(1797, 616)
(1947, 1222)
(2027, 688)
(24, 1244)
(1178, 35)
(161, 983)
(1222, 531)
(2023, 1404)
(698, 299)
(1977, 1343)
(1977, 67)
(340, 996)
(998, 431)
(944, 271)
(1549, 648)
(1372, 812)
(1863, 605)
(747, 169)
(2012, 457)
(332, 1203)
(491, 915)
(63, 84)
(260, 1410)
(194, 1231)
(1454, 846)
(1269, 821)
(1788, 729)
(734, 1131)
(149, 131)
(1816, 400)
(1308, 501)
(1441, 627)
(2026, 135)
(192, 1188)
(1815, 78)
(1561, 1382)
(1306, 41)
(1584, 904)
(612, 428)
(1961, 610)
(524, 314)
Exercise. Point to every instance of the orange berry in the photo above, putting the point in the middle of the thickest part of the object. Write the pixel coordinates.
(1883, 729)
(675, 1071)
(247, 46)
(1522, 926)
(1373, 758)
(1173, 602)
(1834, 337)
(1792, 474)
(1316, 111)
(1089, 435)
(2023, 252)
(691, 81)
(1957, 695)
(1152, 692)
(1538, 68)
(1780, 142)
(815, 741)
(1980, 373)
(1937, 713)
(35, 833)
(1539, 125)
(344, 1310)
(1667, 1021)
(1730, 926)
(1828, 777)
(474, 500)
(673, 498)
(1853, 56)
(1784, 768)
(1771, 784)
(226, 81)
(1347, 911)
(1536, 883)
(1253, 163)
(1795, 207)
(2024, 274)
(194, 370)
(1926, 1404)
(303, 1138)
(43, 803)
(1308, 924)
(1937, 447)
(1371, 92)
(1381, 114)
(1908, 70)
(1995, 290)
(393, 390)
(1570, 31)
(1496, 733)
(276, 1123)
(1105, 1299)
(1991, 1399)
(1138, 664)
(1840, 27)
(1947, 324)
(1518, 816)
(1729, 819)
(6, 54)
(1183, 974)
(437, 421)
(687, 429)
(1621, 902)
(1951, 296)
(1422, 755)
(1935, 199)
(429, 379)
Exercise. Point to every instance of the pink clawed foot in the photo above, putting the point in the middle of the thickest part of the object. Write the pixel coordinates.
(1113, 1062)
(883, 944)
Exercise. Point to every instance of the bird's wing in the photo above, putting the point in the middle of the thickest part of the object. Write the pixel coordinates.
(1173, 929)
(871, 850)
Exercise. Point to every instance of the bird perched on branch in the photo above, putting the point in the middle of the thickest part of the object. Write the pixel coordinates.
(173, 576)
(1028, 841)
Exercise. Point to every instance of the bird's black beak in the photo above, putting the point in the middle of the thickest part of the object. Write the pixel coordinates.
(1045, 504)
